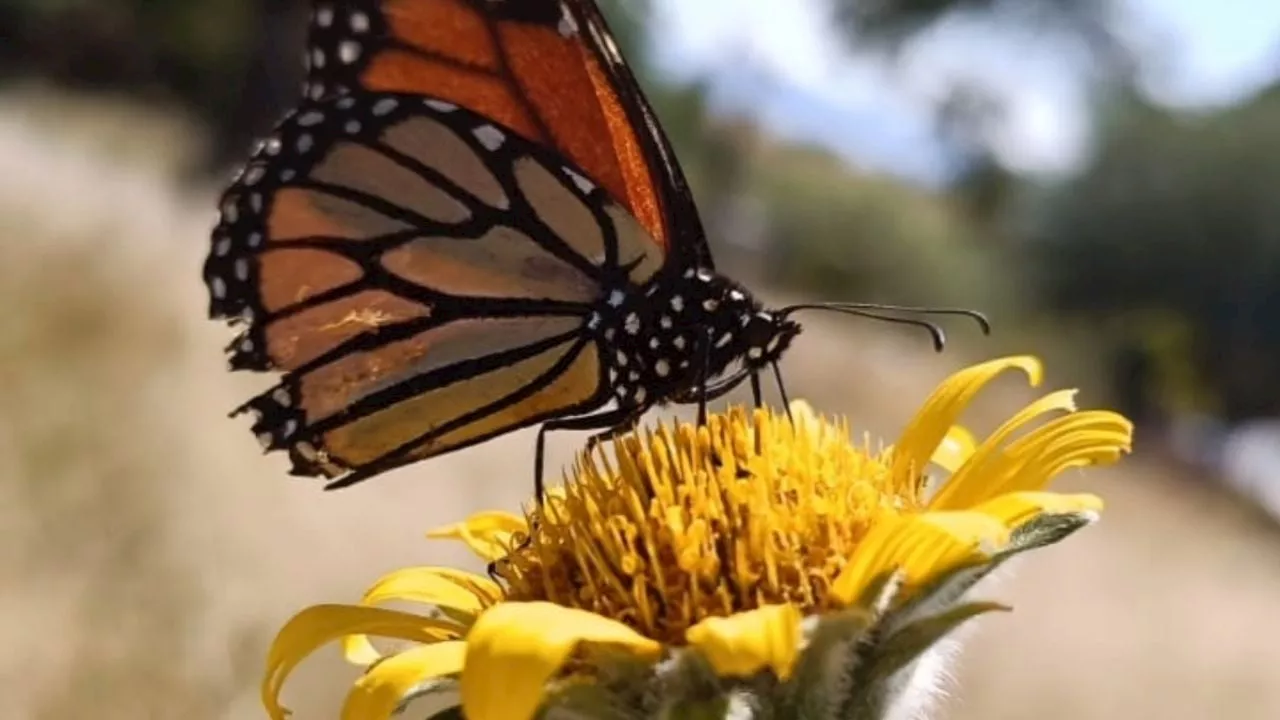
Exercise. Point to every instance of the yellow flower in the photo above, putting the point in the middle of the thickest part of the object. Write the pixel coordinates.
(759, 543)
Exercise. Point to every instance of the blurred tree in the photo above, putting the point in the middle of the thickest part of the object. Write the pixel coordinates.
(890, 24)
(965, 113)
(1177, 214)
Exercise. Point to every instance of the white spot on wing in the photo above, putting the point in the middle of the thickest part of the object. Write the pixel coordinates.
(353, 126)
(568, 27)
(585, 185)
(305, 142)
(359, 22)
(348, 51)
(384, 106)
(324, 16)
(489, 136)
(616, 297)
(310, 118)
(242, 269)
(439, 105)
(218, 287)
(222, 246)
(662, 367)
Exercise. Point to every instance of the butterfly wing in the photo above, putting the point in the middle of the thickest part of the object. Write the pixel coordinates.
(547, 69)
(421, 274)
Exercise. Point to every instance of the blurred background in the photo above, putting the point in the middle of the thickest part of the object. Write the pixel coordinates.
(1100, 176)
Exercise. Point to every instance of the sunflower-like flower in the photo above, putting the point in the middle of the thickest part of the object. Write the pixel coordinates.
(761, 565)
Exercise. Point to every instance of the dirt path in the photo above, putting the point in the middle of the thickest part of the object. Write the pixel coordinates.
(148, 550)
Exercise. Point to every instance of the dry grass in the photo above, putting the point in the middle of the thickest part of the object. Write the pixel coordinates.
(148, 550)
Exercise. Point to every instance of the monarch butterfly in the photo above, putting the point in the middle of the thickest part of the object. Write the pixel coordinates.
(471, 223)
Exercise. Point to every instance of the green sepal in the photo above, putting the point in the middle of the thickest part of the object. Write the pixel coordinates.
(588, 701)
(1045, 529)
(939, 595)
(434, 686)
(876, 685)
(1042, 530)
(908, 643)
(831, 653)
(687, 683)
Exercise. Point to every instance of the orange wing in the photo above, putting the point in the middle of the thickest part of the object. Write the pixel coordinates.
(545, 68)
(424, 277)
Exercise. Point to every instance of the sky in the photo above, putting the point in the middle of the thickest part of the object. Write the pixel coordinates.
(777, 58)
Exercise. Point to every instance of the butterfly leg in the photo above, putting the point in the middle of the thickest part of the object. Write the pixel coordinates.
(705, 349)
(756, 393)
(782, 389)
(610, 422)
(624, 427)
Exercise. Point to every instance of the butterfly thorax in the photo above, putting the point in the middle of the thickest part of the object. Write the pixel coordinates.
(668, 337)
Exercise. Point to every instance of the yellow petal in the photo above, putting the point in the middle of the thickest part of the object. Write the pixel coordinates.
(921, 547)
(742, 644)
(1092, 437)
(954, 449)
(1016, 509)
(515, 648)
(969, 485)
(463, 592)
(926, 430)
(377, 694)
(320, 624)
(488, 534)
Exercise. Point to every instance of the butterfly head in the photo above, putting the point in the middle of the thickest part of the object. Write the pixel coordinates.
(739, 328)
(766, 335)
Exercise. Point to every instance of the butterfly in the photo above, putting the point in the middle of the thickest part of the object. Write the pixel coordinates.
(472, 223)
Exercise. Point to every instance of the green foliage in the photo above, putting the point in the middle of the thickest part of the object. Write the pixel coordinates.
(1176, 213)
(851, 236)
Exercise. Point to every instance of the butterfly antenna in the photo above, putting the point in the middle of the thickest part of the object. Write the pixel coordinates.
(981, 319)
(935, 332)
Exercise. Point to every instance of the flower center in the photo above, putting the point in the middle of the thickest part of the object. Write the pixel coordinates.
(688, 523)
